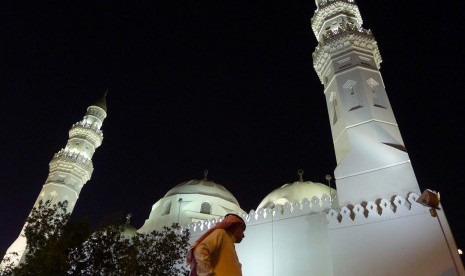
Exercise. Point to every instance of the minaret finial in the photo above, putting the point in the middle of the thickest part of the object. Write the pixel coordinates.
(128, 219)
(102, 101)
(205, 174)
(300, 172)
(329, 178)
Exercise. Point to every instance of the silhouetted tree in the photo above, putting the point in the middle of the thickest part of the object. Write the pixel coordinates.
(59, 247)
(109, 252)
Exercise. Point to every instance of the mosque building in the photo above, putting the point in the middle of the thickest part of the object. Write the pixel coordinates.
(376, 221)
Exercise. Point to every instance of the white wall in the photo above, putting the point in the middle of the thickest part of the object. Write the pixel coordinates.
(292, 242)
(384, 238)
(408, 241)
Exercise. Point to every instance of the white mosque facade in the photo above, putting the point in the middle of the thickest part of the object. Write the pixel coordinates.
(371, 224)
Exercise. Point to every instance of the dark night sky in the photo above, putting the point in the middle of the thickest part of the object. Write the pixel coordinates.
(227, 86)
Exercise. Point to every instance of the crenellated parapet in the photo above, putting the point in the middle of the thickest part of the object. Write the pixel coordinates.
(73, 162)
(341, 40)
(89, 132)
(369, 212)
(286, 211)
(331, 8)
(361, 213)
(324, 3)
(343, 30)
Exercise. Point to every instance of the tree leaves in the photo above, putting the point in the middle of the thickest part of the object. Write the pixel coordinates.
(59, 247)
(108, 252)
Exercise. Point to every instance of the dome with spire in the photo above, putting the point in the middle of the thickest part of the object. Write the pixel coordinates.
(202, 187)
(297, 191)
(191, 201)
(127, 230)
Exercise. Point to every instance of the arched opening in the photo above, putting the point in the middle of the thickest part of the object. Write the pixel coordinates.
(206, 208)
(166, 208)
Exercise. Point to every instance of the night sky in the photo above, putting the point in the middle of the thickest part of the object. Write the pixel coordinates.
(227, 86)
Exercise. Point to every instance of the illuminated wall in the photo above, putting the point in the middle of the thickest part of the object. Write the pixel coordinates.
(388, 238)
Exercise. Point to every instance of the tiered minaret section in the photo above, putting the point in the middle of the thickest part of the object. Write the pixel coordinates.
(71, 167)
(372, 161)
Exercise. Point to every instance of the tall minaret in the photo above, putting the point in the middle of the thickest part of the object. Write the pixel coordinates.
(372, 161)
(71, 167)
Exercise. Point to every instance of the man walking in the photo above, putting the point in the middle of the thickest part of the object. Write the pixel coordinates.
(214, 252)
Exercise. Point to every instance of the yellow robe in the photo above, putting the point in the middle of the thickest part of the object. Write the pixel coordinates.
(216, 255)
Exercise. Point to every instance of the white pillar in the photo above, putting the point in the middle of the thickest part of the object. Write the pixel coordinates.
(70, 168)
(372, 161)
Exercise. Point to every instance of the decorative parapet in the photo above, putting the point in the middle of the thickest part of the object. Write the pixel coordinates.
(97, 111)
(74, 156)
(369, 212)
(341, 40)
(288, 210)
(324, 3)
(88, 126)
(72, 161)
(329, 8)
(346, 216)
(88, 132)
(343, 30)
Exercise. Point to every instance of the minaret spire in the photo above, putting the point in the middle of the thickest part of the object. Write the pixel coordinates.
(102, 101)
(71, 167)
(372, 161)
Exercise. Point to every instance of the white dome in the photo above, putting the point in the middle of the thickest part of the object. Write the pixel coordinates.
(189, 202)
(296, 191)
(128, 231)
(202, 187)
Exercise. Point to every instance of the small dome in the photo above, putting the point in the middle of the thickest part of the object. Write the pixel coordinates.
(203, 187)
(296, 191)
(128, 231)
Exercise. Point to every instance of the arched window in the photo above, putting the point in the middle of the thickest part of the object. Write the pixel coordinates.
(334, 108)
(206, 208)
(378, 98)
(166, 208)
(352, 96)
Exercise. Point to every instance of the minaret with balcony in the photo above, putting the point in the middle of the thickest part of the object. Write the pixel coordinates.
(372, 161)
(71, 167)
